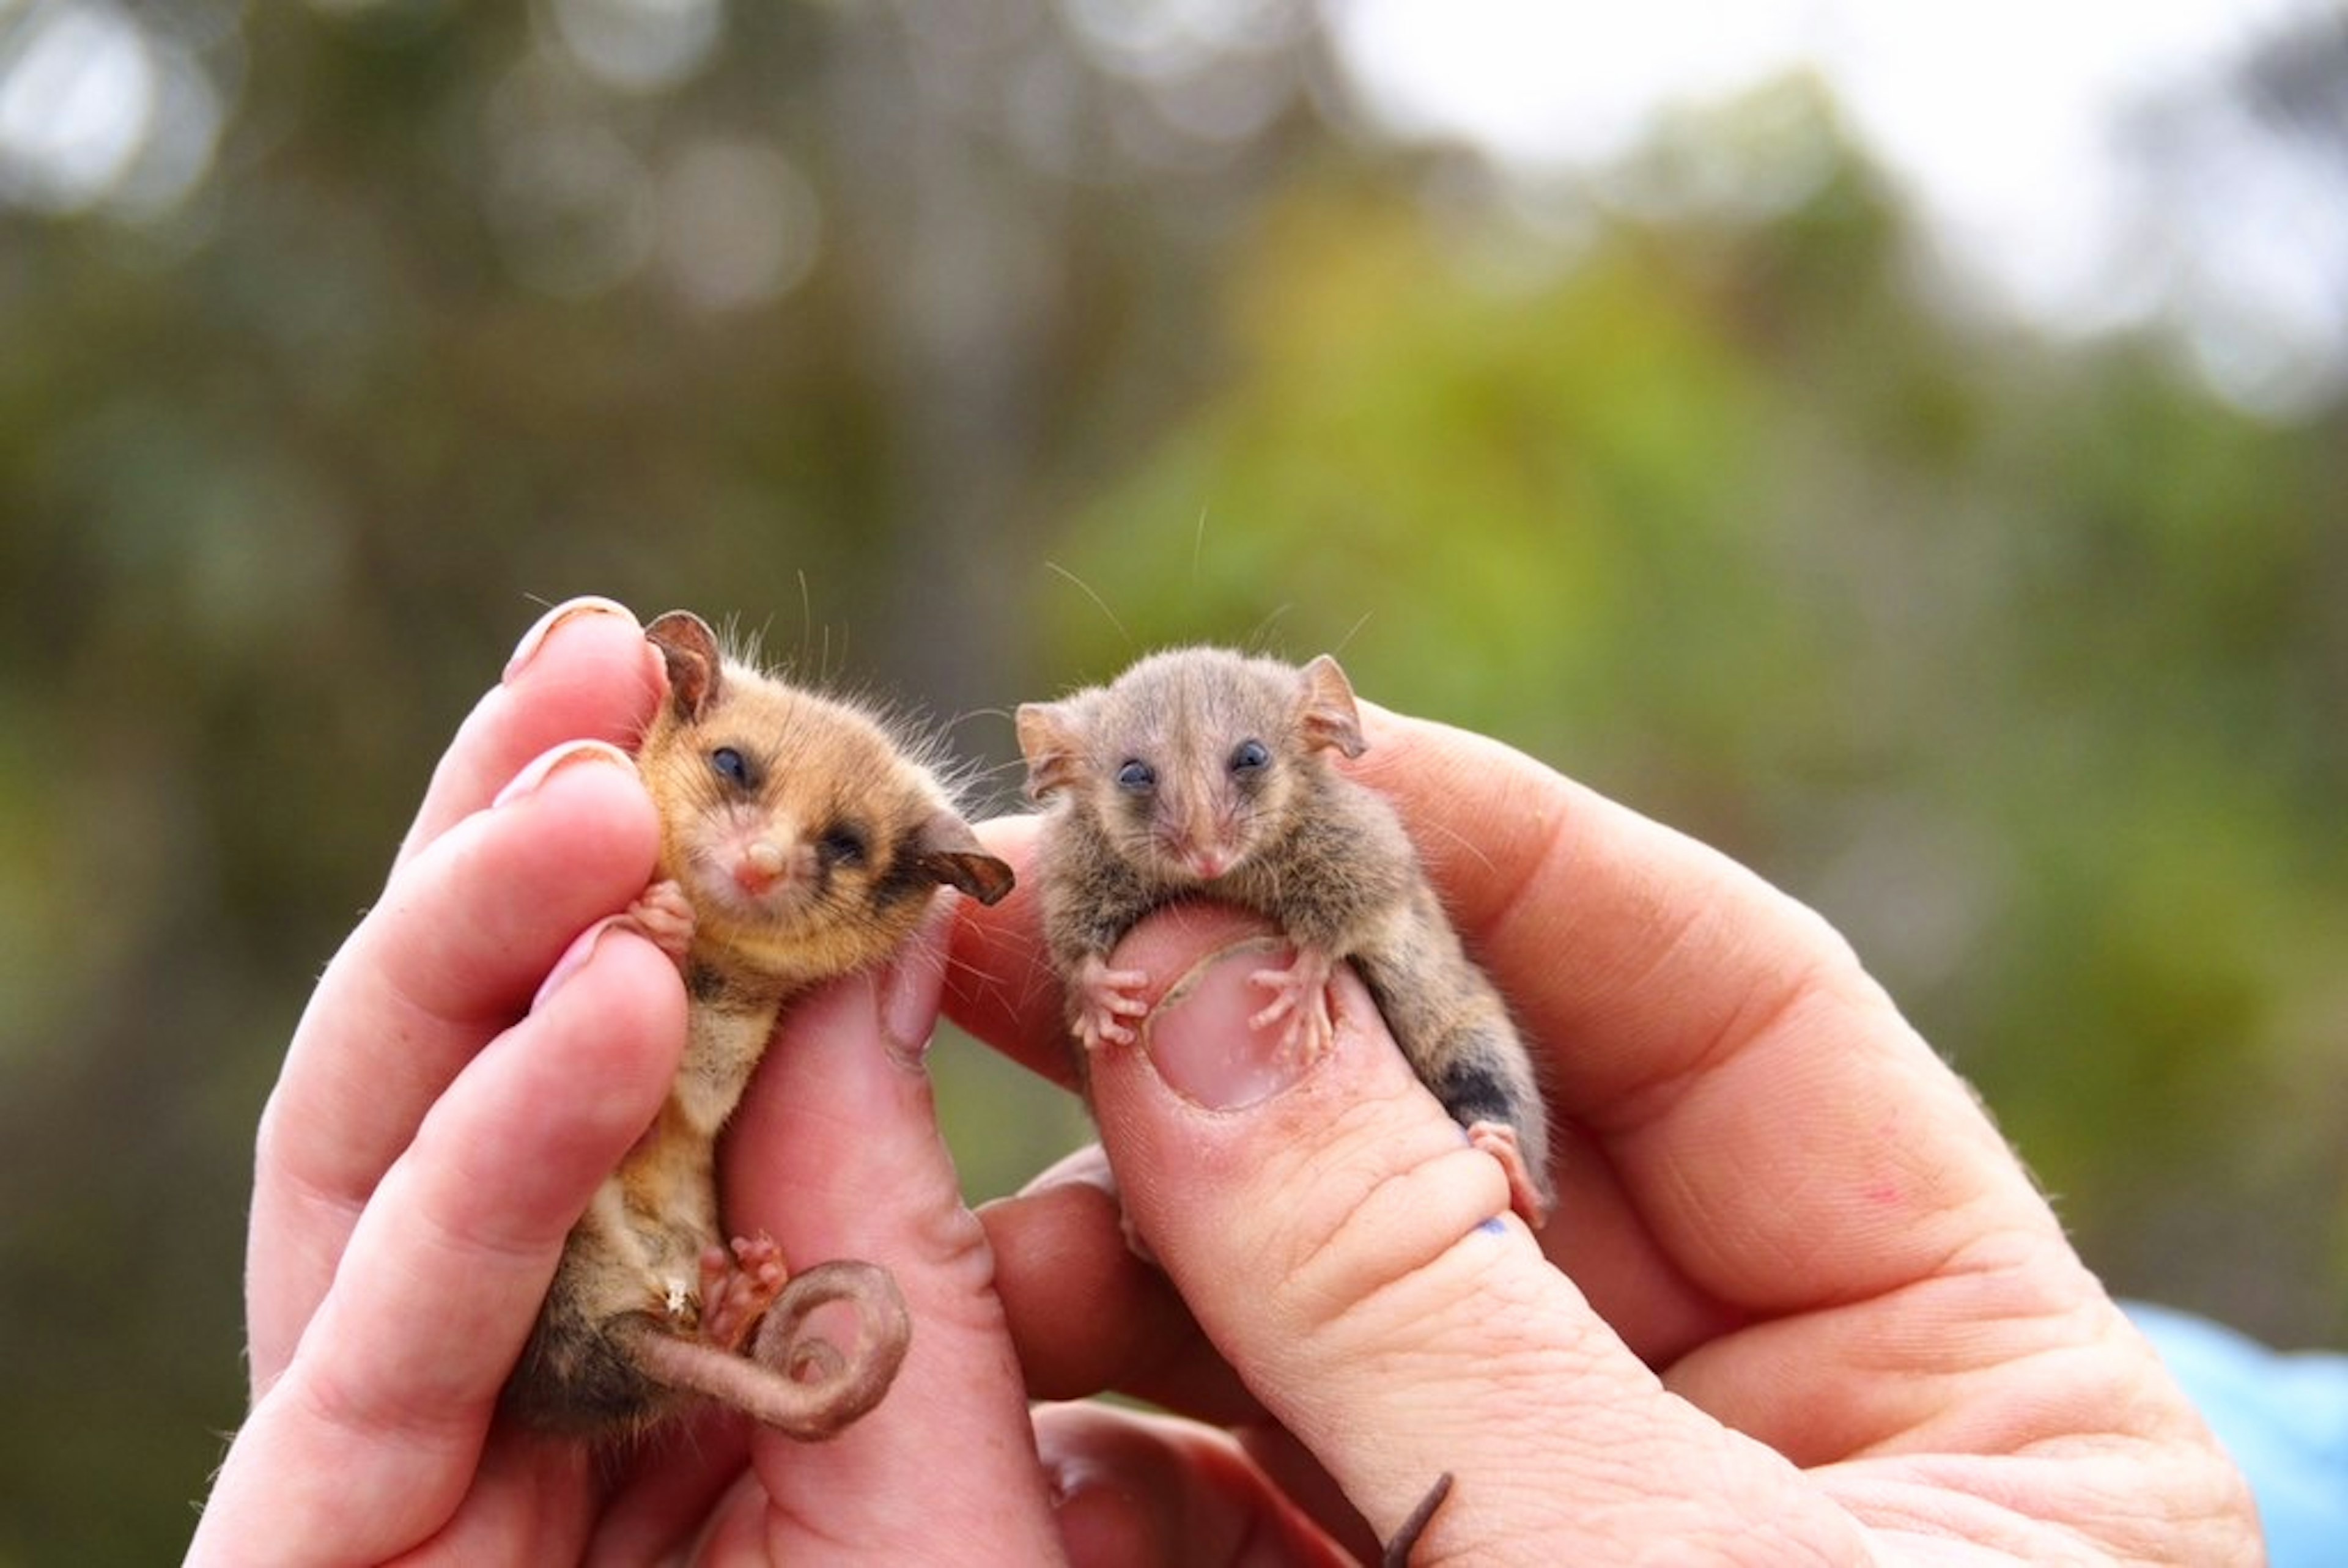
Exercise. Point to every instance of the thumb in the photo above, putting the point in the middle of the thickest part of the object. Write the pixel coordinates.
(1337, 1237)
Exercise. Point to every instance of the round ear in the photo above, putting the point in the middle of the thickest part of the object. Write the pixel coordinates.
(1048, 739)
(949, 852)
(694, 665)
(1330, 717)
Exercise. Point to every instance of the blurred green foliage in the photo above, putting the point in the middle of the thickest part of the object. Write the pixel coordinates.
(2022, 660)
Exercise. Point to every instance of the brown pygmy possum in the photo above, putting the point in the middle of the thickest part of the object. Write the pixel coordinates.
(800, 839)
(1204, 772)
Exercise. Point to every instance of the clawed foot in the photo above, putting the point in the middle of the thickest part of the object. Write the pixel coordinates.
(665, 916)
(1105, 1002)
(1300, 994)
(1498, 1140)
(735, 1291)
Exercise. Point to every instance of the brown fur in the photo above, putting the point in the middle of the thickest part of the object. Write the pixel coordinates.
(1227, 793)
(799, 840)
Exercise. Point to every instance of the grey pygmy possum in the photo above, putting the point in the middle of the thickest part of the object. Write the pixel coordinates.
(802, 837)
(1203, 773)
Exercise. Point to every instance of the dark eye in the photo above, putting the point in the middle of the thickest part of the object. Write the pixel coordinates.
(841, 846)
(1250, 757)
(1137, 776)
(731, 766)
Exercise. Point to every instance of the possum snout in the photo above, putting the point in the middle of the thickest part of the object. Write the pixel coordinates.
(764, 863)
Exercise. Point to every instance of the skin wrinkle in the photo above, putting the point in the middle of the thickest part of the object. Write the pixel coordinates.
(1634, 1450)
(396, 985)
(2115, 1512)
(499, 852)
(957, 1242)
(355, 1409)
(1396, 1271)
(794, 1536)
(348, 1169)
(1380, 1320)
(1933, 1407)
(2027, 1503)
(524, 1245)
(473, 1322)
(290, 1183)
(1751, 1024)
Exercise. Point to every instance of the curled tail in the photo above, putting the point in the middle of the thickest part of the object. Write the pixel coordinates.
(795, 1380)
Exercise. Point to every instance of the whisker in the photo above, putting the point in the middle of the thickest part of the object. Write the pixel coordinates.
(1099, 602)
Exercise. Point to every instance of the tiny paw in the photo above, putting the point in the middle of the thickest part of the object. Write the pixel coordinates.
(735, 1291)
(1498, 1140)
(1105, 1001)
(664, 914)
(1300, 994)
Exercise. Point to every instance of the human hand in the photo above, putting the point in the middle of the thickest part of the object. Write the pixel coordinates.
(436, 1131)
(1799, 1301)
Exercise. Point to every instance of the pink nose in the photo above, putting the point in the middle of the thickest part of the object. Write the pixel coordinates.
(1206, 865)
(761, 867)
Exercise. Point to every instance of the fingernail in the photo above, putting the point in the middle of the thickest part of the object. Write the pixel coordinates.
(575, 958)
(1199, 1037)
(535, 637)
(547, 764)
(907, 995)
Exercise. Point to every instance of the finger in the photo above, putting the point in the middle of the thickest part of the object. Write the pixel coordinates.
(371, 1437)
(466, 932)
(1670, 943)
(1000, 983)
(836, 1153)
(667, 1491)
(1755, 1101)
(1133, 1488)
(1358, 1259)
(1087, 1315)
(582, 671)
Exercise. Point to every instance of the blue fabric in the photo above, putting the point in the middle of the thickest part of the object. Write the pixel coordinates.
(2284, 1418)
